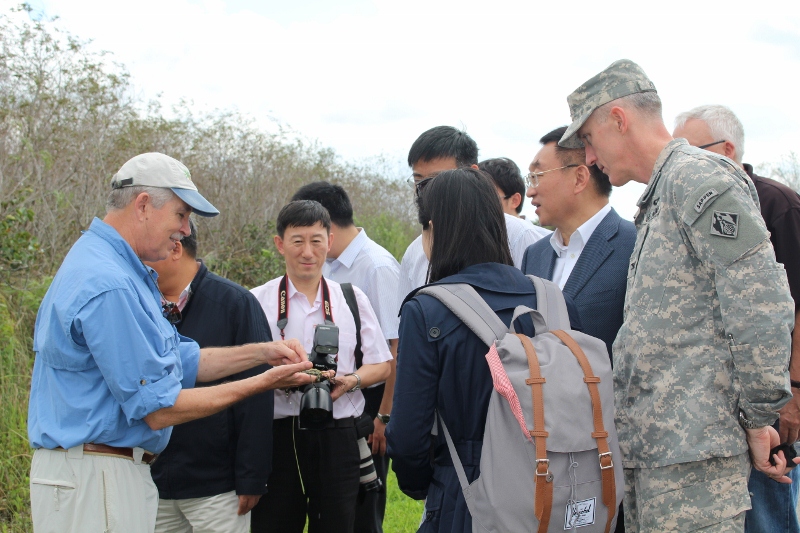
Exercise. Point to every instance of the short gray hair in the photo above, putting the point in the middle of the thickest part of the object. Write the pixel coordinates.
(648, 103)
(722, 122)
(121, 198)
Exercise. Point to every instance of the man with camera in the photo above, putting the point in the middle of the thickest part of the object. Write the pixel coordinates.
(317, 463)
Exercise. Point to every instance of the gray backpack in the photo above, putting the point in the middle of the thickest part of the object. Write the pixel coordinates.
(550, 459)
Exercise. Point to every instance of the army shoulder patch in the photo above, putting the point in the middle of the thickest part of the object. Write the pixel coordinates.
(725, 224)
(701, 202)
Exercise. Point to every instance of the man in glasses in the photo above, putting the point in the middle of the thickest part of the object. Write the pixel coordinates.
(717, 129)
(214, 469)
(446, 148)
(587, 254)
(701, 357)
(110, 371)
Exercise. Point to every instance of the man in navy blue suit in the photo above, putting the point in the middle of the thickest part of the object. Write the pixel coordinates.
(588, 254)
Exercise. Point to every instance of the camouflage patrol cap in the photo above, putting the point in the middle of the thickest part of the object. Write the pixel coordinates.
(621, 78)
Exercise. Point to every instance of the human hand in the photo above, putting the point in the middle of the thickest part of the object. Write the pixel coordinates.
(378, 438)
(760, 442)
(789, 432)
(246, 503)
(287, 376)
(284, 352)
(341, 385)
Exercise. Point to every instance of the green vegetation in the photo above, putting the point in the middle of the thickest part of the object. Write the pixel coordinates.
(68, 120)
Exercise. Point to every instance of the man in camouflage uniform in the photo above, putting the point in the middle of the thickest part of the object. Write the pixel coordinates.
(700, 363)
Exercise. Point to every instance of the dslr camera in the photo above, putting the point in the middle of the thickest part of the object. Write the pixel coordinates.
(316, 405)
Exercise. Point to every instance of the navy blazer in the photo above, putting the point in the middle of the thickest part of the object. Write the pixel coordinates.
(597, 283)
(441, 365)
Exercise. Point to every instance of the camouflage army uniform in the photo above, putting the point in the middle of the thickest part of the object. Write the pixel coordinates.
(706, 334)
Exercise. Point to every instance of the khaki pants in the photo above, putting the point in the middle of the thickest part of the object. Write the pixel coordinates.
(74, 492)
(212, 514)
(708, 496)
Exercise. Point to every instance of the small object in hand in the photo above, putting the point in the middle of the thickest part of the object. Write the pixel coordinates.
(320, 375)
(788, 452)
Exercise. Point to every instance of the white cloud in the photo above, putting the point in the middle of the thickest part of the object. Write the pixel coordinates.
(367, 77)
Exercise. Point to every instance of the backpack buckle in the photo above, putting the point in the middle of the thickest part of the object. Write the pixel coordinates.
(546, 467)
(610, 461)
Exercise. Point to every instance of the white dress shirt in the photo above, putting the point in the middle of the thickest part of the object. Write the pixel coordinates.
(414, 266)
(521, 234)
(302, 319)
(371, 268)
(568, 255)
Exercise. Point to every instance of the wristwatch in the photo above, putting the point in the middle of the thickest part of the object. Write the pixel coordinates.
(358, 381)
(383, 418)
(748, 424)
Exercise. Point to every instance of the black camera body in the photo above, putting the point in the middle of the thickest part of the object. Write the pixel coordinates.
(316, 405)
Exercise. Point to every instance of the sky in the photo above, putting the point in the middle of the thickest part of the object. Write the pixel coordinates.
(366, 77)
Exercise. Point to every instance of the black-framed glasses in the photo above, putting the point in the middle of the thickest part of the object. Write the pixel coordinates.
(703, 147)
(532, 178)
(421, 184)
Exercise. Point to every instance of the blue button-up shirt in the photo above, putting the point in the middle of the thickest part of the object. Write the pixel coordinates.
(105, 355)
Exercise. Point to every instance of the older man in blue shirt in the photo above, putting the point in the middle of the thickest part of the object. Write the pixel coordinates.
(111, 371)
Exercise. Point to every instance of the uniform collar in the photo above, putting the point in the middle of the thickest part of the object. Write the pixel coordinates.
(663, 157)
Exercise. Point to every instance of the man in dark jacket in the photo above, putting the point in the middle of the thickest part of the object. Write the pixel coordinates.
(215, 469)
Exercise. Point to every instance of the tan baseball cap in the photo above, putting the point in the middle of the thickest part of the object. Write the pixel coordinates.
(621, 78)
(158, 170)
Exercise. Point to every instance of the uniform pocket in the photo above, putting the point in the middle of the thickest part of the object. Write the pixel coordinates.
(696, 506)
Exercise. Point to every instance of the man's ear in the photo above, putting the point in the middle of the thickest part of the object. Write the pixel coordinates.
(142, 203)
(582, 177)
(278, 244)
(177, 252)
(620, 119)
(730, 150)
(515, 200)
(330, 241)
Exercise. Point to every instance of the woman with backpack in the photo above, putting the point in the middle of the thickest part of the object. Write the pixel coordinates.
(442, 366)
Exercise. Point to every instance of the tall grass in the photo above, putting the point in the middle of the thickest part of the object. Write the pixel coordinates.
(18, 305)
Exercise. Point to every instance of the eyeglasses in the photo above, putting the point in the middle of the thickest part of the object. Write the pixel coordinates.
(419, 184)
(711, 144)
(169, 310)
(532, 179)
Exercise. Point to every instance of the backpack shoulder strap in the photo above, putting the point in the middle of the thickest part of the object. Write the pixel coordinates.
(470, 308)
(551, 304)
(350, 298)
(457, 464)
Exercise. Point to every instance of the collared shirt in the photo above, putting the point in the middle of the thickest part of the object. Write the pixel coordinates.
(105, 355)
(568, 254)
(414, 266)
(521, 234)
(302, 319)
(183, 299)
(371, 268)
